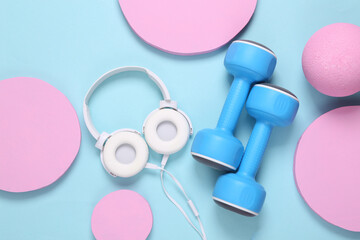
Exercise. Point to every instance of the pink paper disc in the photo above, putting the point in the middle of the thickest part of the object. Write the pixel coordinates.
(327, 167)
(122, 215)
(187, 27)
(39, 134)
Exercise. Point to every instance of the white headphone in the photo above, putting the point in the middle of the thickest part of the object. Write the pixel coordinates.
(124, 153)
(128, 143)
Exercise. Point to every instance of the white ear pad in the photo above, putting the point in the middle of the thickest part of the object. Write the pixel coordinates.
(166, 131)
(125, 154)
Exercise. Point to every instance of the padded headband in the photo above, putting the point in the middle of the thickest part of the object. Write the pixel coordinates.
(151, 75)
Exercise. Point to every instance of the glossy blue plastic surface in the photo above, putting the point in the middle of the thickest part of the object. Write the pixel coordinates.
(270, 107)
(249, 63)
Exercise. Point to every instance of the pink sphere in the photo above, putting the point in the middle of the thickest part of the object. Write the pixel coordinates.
(331, 60)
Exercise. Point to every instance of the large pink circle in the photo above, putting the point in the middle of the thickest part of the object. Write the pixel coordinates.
(123, 214)
(327, 167)
(39, 134)
(187, 27)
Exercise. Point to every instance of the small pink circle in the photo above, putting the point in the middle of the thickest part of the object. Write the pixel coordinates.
(331, 60)
(187, 27)
(40, 134)
(123, 214)
(326, 167)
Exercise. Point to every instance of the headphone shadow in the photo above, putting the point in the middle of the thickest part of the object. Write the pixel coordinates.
(129, 182)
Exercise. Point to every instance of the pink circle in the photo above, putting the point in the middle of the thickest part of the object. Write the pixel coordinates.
(331, 60)
(123, 214)
(187, 27)
(40, 134)
(327, 164)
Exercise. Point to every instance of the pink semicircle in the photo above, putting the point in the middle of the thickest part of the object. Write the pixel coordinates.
(40, 134)
(327, 166)
(187, 27)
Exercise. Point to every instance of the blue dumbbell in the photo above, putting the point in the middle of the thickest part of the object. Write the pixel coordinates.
(249, 63)
(270, 106)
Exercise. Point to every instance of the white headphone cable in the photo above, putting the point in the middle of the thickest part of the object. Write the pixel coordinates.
(190, 203)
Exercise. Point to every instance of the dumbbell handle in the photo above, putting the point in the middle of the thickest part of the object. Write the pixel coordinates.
(255, 149)
(233, 105)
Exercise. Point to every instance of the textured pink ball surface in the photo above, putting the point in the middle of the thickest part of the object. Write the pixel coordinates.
(39, 134)
(327, 167)
(122, 215)
(187, 27)
(331, 60)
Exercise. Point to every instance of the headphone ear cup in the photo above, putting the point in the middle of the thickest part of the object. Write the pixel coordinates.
(126, 145)
(168, 120)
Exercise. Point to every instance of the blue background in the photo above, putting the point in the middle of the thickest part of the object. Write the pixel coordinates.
(71, 43)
